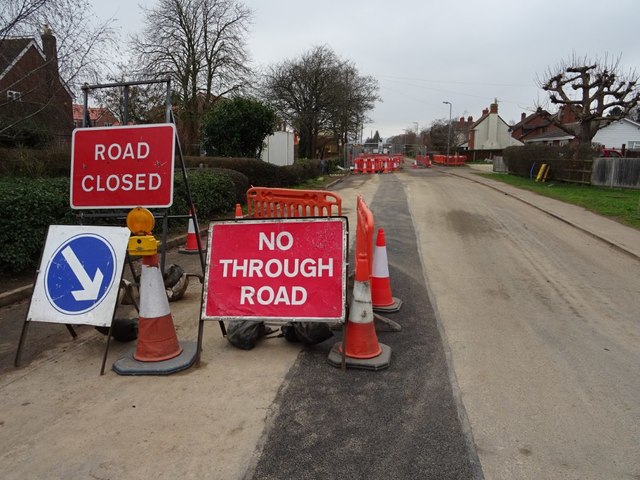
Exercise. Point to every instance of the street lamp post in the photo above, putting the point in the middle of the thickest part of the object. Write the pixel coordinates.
(449, 133)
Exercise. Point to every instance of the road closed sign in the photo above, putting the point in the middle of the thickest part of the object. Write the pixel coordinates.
(286, 269)
(122, 167)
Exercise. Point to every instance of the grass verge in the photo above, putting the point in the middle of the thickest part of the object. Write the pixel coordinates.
(618, 204)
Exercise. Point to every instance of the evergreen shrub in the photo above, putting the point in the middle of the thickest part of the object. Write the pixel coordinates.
(30, 205)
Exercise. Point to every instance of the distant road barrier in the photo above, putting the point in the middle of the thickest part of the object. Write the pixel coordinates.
(451, 160)
(376, 163)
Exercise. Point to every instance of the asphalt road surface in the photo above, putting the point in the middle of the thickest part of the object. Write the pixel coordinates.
(519, 357)
(543, 326)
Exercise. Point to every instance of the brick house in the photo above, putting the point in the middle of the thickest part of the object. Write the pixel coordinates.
(538, 128)
(98, 117)
(35, 103)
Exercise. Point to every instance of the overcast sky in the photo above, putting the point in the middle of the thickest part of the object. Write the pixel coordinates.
(425, 52)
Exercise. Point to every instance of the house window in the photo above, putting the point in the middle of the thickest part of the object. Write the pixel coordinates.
(108, 124)
(13, 95)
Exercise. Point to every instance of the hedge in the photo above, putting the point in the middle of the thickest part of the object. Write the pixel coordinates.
(30, 205)
(259, 173)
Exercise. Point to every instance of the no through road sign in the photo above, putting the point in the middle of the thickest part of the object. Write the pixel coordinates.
(287, 269)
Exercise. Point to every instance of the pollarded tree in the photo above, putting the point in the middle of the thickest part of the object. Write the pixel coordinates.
(597, 92)
(237, 127)
(200, 46)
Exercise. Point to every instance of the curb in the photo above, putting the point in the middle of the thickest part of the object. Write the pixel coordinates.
(13, 296)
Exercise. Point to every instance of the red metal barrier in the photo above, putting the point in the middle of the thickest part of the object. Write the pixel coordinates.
(451, 160)
(265, 202)
(423, 161)
(364, 241)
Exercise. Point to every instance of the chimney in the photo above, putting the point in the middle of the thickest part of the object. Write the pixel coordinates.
(470, 119)
(462, 120)
(523, 116)
(49, 47)
(494, 106)
(485, 111)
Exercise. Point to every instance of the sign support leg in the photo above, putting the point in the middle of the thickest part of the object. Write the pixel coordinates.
(23, 335)
(106, 350)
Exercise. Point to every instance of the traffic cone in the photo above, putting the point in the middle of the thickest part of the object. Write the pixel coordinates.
(157, 339)
(361, 347)
(381, 297)
(191, 246)
(158, 351)
(239, 211)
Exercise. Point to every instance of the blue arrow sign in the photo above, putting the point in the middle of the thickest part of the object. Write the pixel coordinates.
(80, 274)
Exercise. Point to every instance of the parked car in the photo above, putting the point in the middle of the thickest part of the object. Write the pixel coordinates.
(610, 152)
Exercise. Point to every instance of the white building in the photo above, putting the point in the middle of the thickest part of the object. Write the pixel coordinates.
(491, 132)
(279, 148)
(623, 132)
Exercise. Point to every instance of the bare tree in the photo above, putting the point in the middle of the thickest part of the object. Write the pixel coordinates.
(596, 91)
(16, 13)
(438, 136)
(351, 97)
(200, 46)
(84, 43)
(319, 93)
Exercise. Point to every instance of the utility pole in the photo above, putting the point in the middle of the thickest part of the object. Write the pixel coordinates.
(449, 133)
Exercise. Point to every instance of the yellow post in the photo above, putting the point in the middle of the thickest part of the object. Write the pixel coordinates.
(543, 168)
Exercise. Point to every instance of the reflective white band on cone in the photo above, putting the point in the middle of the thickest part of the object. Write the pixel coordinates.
(380, 264)
(361, 311)
(153, 298)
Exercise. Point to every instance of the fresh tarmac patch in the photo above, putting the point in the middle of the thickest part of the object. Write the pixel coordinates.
(397, 423)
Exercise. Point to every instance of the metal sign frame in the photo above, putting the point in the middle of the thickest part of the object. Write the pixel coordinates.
(67, 270)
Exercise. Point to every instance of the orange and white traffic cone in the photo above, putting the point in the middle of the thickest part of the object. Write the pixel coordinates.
(239, 212)
(361, 348)
(158, 351)
(191, 245)
(381, 297)
(157, 339)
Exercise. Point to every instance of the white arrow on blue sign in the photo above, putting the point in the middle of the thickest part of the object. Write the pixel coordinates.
(80, 272)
